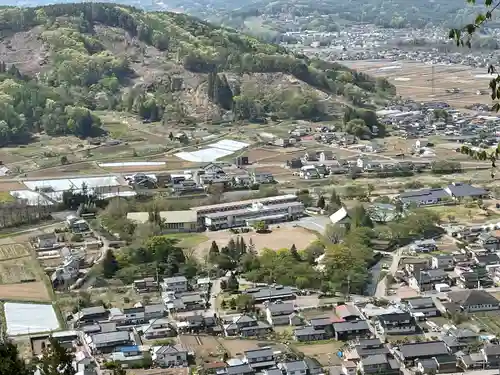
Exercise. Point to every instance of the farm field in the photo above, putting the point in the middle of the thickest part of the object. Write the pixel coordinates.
(33, 291)
(207, 347)
(279, 238)
(490, 321)
(20, 270)
(236, 346)
(414, 80)
(324, 353)
(13, 251)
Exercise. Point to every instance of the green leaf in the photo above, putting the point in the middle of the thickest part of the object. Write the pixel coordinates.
(488, 2)
(480, 18)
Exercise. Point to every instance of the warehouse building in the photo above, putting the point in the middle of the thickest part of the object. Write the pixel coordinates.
(173, 221)
(275, 213)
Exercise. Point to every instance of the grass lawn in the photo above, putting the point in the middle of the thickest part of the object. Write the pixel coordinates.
(189, 240)
(489, 321)
(5, 197)
(459, 212)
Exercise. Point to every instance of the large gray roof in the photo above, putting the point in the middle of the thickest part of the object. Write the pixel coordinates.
(295, 366)
(350, 326)
(110, 337)
(423, 349)
(257, 353)
(472, 298)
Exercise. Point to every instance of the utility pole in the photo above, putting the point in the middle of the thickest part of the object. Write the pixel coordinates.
(432, 78)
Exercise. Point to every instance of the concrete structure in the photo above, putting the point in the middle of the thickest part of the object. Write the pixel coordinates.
(257, 212)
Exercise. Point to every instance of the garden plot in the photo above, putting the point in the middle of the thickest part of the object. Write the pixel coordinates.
(21, 270)
(13, 251)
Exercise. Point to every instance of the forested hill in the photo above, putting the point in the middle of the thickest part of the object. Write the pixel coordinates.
(385, 13)
(61, 62)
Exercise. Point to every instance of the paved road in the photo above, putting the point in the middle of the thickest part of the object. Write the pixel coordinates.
(215, 291)
(381, 290)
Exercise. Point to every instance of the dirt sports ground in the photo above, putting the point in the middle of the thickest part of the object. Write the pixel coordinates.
(279, 238)
(414, 80)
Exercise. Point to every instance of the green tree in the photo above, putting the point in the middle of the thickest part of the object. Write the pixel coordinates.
(56, 360)
(10, 361)
(295, 253)
(335, 203)
(359, 217)
(213, 253)
(232, 283)
(109, 264)
(321, 202)
(260, 226)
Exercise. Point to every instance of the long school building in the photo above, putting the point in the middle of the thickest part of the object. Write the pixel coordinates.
(275, 213)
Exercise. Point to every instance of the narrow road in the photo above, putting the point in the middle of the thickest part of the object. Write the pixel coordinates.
(215, 291)
(381, 290)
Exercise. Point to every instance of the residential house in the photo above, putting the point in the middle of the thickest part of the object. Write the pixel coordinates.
(146, 285)
(176, 284)
(186, 302)
(281, 142)
(446, 364)
(271, 293)
(424, 246)
(92, 314)
(170, 356)
(422, 308)
(262, 178)
(246, 326)
(46, 241)
(313, 366)
(155, 311)
(106, 342)
(259, 359)
(477, 275)
(471, 361)
(199, 323)
(240, 369)
(134, 315)
(158, 328)
(309, 333)
(492, 355)
(279, 314)
(426, 280)
(348, 312)
(294, 367)
(379, 364)
(473, 301)
(443, 261)
(323, 323)
(396, 323)
(362, 348)
(409, 353)
(489, 240)
(489, 259)
(351, 329)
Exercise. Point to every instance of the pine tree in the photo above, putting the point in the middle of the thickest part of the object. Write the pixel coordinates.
(335, 202)
(109, 264)
(232, 283)
(294, 252)
(360, 218)
(214, 250)
(232, 249)
(243, 247)
(321, 202)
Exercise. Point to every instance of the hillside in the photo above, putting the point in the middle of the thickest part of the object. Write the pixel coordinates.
(61, 62)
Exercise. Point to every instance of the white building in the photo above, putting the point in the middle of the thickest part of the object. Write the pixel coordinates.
(257, 212)
(231, 206)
